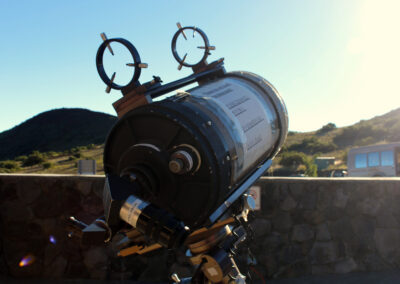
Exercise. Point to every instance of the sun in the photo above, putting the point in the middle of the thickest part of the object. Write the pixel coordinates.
(376, 84)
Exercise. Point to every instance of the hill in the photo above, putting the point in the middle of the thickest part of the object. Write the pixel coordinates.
(55, 130)
(380, 129)
(331, 141)
(327, 141)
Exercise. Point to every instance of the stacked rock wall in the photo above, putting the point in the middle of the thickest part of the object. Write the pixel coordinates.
(305, 226)
(33, 210)
(319, 226)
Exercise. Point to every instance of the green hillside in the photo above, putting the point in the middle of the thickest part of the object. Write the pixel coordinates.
(330, 141)
(61, 152)
(55, 130)
(55, 162)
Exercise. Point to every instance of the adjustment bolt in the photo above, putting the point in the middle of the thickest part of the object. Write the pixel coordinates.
(132, 177)
(175, 278)
(249, 202)
(104, 38)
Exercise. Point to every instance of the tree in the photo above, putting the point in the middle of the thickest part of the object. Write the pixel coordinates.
(47, 165)
(10, 165)
(33, 159)
(326, 128)
(311, 167)
(292, 159)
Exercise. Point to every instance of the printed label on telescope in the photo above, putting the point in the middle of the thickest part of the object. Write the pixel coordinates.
(132, 209)
(245, 108)
(134, 213)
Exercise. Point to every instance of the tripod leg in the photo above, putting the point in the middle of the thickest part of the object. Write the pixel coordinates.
(234, 276)
(198, 276)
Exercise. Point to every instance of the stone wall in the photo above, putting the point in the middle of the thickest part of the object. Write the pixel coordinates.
(306, 226)
(34, 208)
(319, 226)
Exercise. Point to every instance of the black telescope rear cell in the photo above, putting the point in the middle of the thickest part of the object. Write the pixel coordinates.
(191, 151)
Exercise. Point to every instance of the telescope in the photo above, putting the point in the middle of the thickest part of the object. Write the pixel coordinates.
(178, 169)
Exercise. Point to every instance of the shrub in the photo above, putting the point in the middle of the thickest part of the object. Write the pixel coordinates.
(47, 165)
(311, 167)
(394, 132)
(344, 157)
(299, 161)
(74, 150)
(366, 141)
(312, 145)
(292, 159)
(326, 128)
(90, 146)
(359, 135)
(51, 154)
(9, 165)
(33, 159)
(77, 155)
(21, 159)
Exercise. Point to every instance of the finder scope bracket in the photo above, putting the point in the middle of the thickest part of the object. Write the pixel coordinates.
(202, 71)
(182, 60)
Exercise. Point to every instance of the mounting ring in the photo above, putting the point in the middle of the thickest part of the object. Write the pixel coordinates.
(100, 67)
(206, 46)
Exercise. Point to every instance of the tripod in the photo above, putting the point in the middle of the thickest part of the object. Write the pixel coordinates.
(210, 251)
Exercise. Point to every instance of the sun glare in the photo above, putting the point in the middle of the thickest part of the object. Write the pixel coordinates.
(376, 86)
(27, 260)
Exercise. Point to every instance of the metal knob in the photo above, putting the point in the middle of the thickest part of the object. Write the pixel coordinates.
(176, 166)
(181, 162)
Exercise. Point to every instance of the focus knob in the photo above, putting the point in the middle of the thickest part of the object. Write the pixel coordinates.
(176, 166)
(181, 162)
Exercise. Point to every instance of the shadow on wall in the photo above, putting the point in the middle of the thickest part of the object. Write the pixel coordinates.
(306, 227)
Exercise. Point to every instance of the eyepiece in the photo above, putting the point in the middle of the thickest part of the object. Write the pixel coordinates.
(154, 222)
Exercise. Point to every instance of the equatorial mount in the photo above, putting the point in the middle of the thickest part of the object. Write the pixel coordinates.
(194, 35)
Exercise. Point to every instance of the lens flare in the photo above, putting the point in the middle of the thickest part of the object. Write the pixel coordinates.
(27, 260)
(52, 239)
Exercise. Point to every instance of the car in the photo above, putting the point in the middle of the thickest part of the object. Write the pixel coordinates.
(338, 173)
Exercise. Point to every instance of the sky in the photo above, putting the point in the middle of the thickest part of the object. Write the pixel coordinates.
(331, 60)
